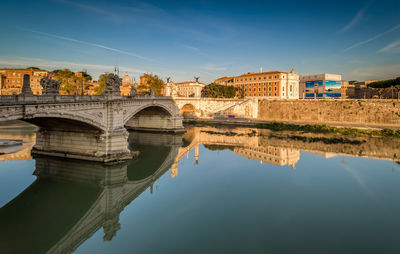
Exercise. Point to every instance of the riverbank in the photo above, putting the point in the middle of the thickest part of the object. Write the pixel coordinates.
(346, 129)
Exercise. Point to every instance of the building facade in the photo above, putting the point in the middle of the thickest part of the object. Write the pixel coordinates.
(11, 80)
(184, 89)
(127, 83)
(324, 85)
(273, 84)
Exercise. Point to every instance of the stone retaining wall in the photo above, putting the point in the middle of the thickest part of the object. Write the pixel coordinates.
(363, 112)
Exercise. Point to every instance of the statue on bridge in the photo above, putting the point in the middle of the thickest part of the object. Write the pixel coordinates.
(26, 88)
(133, 91)
(113, 84)
(50, 86)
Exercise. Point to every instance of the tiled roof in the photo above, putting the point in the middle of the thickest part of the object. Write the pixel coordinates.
(21, 69)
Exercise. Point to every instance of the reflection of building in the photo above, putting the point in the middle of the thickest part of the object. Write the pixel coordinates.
(249, 146)
(270, 154)
(274, 84)
(321, 86)
(18, 152)
(11, 80)
(184, 89)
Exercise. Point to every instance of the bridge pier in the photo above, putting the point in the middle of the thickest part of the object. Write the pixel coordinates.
(86, 145)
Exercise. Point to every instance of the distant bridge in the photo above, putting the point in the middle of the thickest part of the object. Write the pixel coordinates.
(203, 107)
(88, 127)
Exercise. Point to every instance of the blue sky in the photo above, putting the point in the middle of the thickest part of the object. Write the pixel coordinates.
(210, 39)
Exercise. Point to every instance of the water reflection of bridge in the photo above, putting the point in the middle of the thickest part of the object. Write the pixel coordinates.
(72, 199)
(18, 152)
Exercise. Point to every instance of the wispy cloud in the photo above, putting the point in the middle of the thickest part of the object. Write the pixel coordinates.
(91, 44)
(108, 14)
(373, 38)
(190, 47)
(117, 13)
(212, 67)
(357, 18)
(374, 72)
(393, 45)
(54, 64)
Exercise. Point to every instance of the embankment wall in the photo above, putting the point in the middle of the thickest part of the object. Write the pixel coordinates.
(362, 112)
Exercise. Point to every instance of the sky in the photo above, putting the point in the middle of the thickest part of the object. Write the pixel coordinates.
(208, 39)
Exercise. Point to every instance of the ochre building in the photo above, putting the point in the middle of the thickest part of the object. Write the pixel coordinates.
(11, 80)
(273, 84)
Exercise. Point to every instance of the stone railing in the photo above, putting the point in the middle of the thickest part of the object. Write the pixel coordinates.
(7, 100)
(51, 94)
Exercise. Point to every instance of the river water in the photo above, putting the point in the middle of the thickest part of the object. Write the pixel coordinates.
(211, 190)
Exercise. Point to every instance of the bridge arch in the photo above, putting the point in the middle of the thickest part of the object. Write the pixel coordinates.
(156, 107)
(153, 117)
(188, 110)
(66, 121)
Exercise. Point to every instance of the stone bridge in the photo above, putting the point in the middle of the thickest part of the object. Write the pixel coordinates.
(206, 107)
(88, 127)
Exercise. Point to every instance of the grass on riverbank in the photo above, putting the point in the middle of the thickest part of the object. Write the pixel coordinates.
(314, 128)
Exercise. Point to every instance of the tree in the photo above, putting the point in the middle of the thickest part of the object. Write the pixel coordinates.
(71, 83)
(380, 86)
(102, 83)
(214, 90)
(152, 81)
(385, 83)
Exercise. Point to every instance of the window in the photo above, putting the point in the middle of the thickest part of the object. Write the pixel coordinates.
(275, 94)
(259, 89)
(275, 89)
